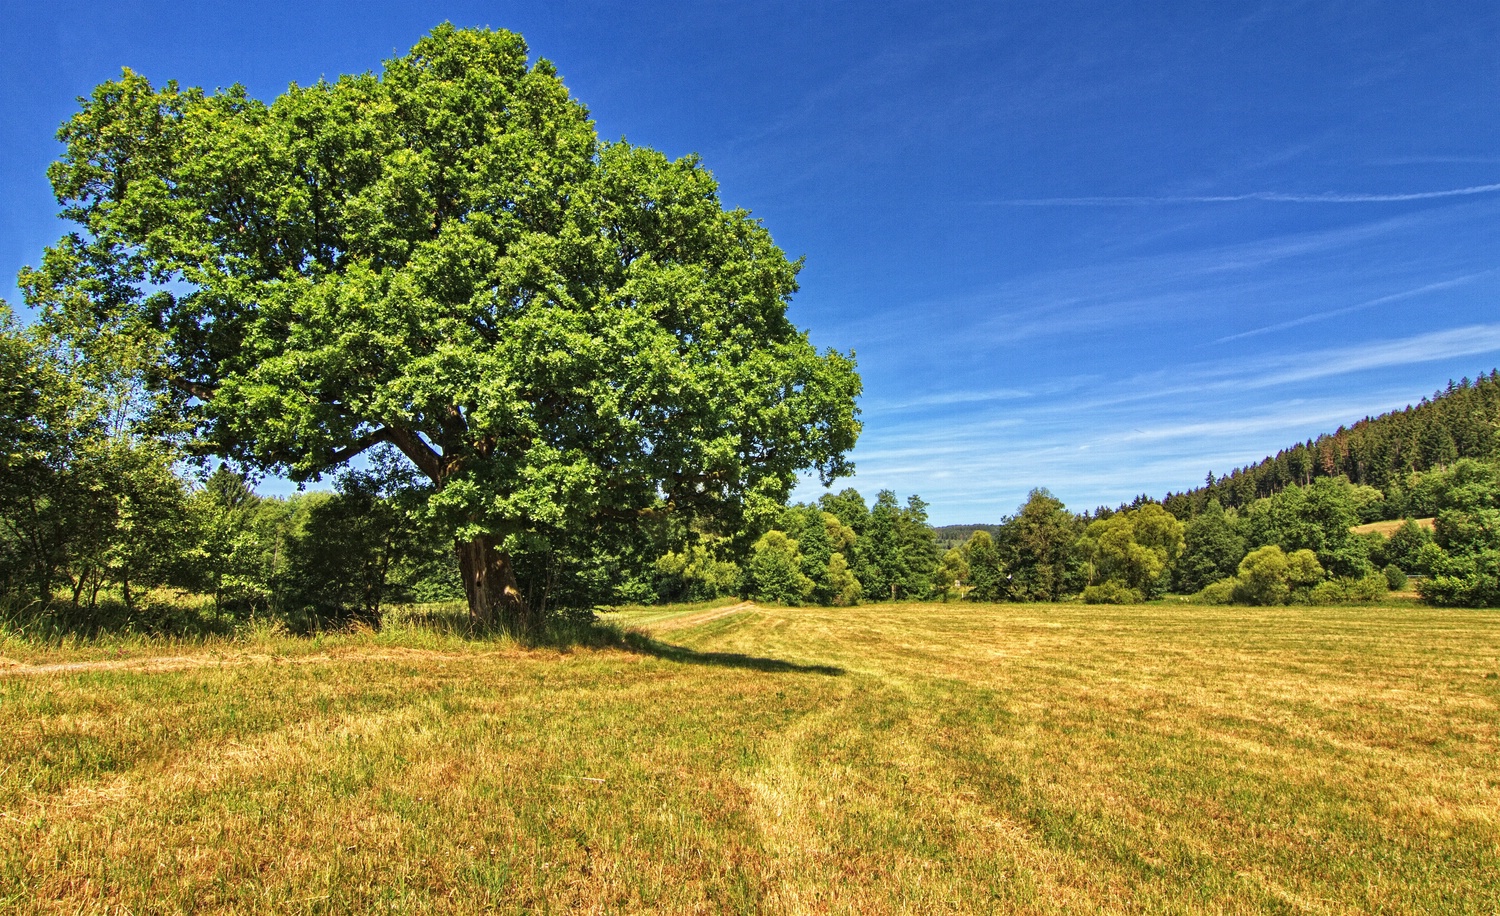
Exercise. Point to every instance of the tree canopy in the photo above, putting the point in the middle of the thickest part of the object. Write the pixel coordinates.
(443, 256)
(1137, 547)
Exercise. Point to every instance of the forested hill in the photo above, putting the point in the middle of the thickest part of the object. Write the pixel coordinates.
(1462, 421)
(953, 535)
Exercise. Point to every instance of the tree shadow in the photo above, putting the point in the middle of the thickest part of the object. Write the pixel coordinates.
(561, 631)
(156, 614)
(636, 641)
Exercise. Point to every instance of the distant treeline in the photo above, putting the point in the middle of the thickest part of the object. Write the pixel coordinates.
(1280, 530)
(1297, 545)
(950, 536)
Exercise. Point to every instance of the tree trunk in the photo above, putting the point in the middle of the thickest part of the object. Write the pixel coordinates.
(44, 583)
(490, 585)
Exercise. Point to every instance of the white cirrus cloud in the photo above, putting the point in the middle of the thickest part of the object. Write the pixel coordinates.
(1330, 197)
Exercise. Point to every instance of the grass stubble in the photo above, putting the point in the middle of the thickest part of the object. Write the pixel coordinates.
(879, 759)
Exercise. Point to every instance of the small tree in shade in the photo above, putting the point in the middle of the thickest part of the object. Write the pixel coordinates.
(1404, 548)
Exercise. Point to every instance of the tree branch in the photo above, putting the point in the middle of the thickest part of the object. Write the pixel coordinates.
(359, 445)
(193, 388)
(647, 512)
(421, 454)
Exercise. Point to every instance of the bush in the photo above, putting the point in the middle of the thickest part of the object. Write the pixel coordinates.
(1220, 592)
(1262, 578)
(1347, 590)
(1330, 592)
(1111, 592)
(1395, 579)
(1465, 581)
(1372, 587)
(1428, 560)
(1303, 570)
(1268, 575)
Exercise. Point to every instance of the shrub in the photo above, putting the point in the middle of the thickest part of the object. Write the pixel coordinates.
(696, 574)
(1262, 578)
(1111, 592)
(1395, 579)
(1220, 592)
(1330, 592)
(1303, 570)
(1372, 587)
(1348, 590)
(1428, 559)
(1465, 581)
(1268, 575)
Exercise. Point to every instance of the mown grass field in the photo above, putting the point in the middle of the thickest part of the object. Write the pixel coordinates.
(880, 759)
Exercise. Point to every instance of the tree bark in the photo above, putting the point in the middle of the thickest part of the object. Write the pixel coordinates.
(490, 585)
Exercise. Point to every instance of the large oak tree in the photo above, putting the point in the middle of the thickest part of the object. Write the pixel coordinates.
(444, 257)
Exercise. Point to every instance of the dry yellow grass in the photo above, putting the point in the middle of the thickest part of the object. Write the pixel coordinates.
(1389, 527)
(881, 759)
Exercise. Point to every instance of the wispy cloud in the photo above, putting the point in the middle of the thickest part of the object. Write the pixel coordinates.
(1437, 160)
(1360, 306)
(1266, 196)
(949, 399)
(1225, 378)
(1423, 348)
(1092, 298)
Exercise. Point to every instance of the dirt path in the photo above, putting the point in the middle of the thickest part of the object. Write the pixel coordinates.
(161, 663)
(10, 668)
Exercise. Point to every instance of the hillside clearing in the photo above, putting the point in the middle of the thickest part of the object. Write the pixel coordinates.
(1388, 528)
(907, 758)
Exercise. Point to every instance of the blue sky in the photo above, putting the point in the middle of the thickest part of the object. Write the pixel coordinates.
(1089, 247)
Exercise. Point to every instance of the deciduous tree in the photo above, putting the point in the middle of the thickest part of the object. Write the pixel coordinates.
(1037, 548)
(1212, 549)
(1136, 547)
(444, 257)
(775, 570)
(986, 572)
